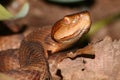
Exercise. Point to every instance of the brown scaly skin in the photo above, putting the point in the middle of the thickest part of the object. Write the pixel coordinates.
(34, 49)
(12, 40)
(63, 34)
(9, 60)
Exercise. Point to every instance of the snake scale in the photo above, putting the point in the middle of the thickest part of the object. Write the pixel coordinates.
(30, 61)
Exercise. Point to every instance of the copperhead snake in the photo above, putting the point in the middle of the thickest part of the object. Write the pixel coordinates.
(31, 60)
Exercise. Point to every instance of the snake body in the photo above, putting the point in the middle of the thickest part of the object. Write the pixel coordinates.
(31, 59)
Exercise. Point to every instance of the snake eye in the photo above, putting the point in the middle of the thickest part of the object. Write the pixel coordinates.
(67, 20)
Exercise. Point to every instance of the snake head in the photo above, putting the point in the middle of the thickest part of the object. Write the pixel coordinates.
(71, 27)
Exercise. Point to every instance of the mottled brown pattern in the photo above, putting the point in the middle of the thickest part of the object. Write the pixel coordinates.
(10, 41)
(9, 60)
(32, 58)
(25, 74)
(30, 61)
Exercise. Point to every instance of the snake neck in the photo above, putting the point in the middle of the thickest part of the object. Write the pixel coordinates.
(31, 53)
(43, 36)
(31, 57)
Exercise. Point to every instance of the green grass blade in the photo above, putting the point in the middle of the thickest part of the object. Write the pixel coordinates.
(5, 14)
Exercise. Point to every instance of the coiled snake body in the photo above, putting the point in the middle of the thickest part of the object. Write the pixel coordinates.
(30, 61)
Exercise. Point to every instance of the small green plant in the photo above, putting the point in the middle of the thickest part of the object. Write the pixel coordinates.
(7, 15)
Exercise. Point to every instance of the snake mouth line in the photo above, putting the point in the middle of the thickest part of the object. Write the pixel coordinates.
(77, 34)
